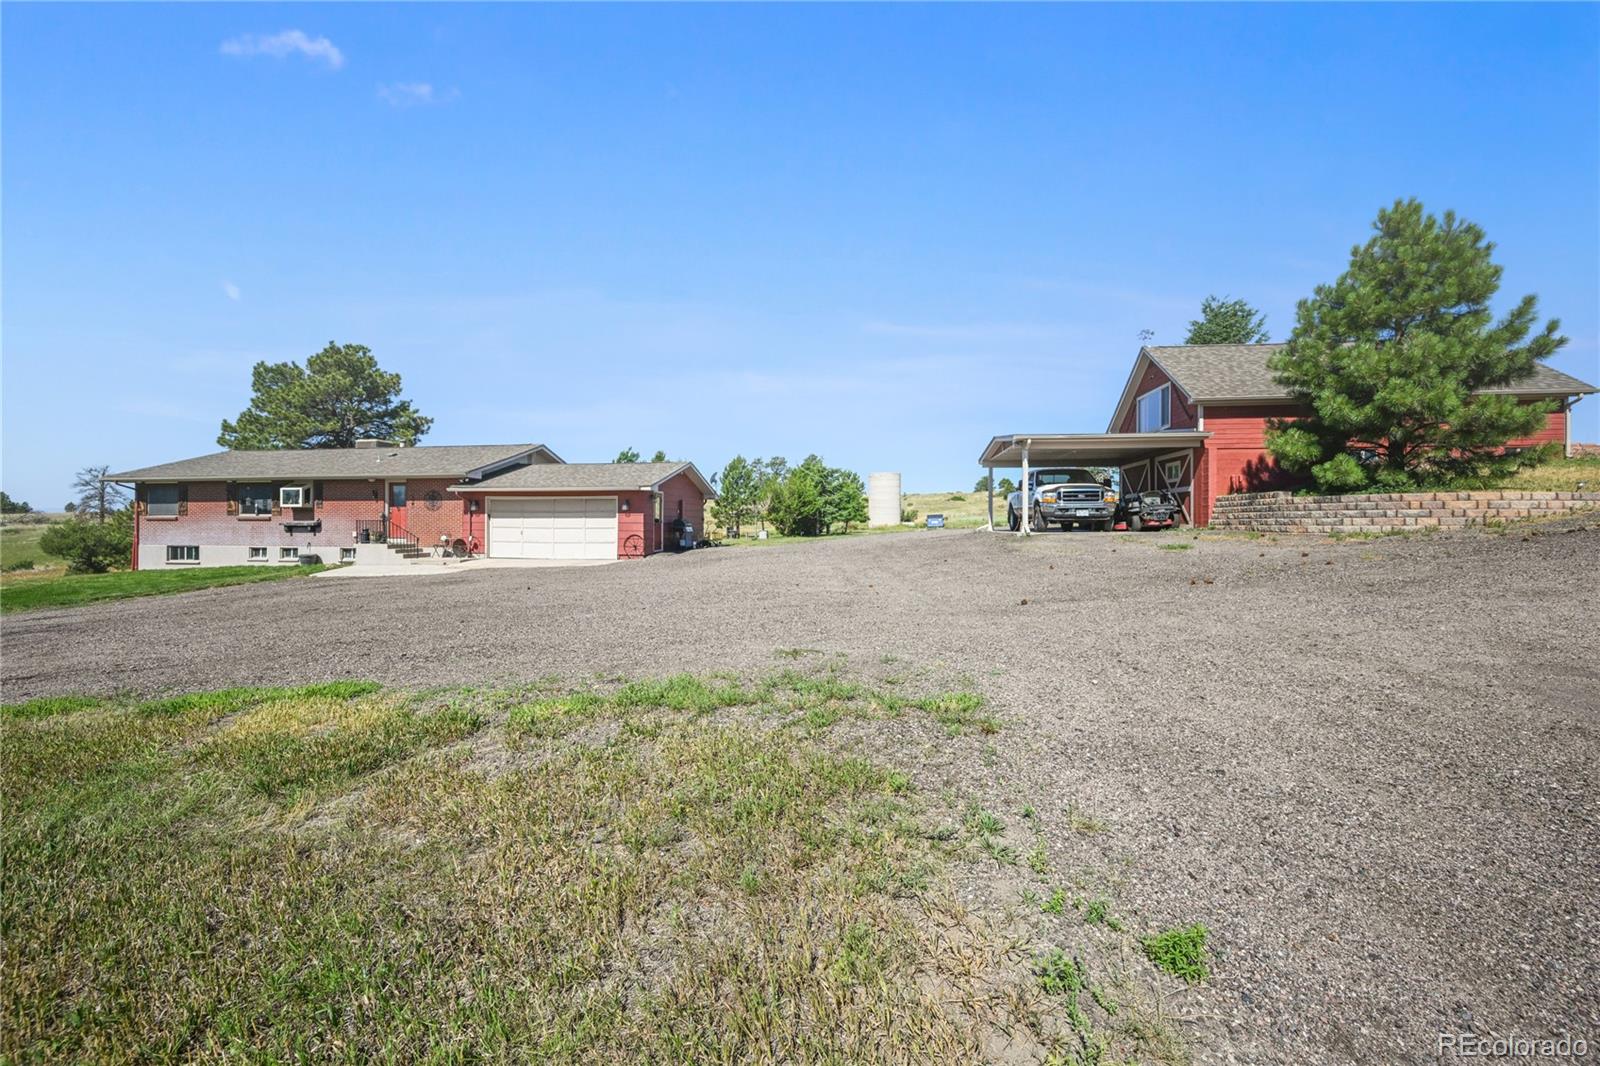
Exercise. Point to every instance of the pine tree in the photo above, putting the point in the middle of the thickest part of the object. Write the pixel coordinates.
(738, 494)
(1225, 321)
(1393, 357)
(340, 396)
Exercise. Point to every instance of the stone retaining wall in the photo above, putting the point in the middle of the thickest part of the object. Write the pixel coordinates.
(1282, 512)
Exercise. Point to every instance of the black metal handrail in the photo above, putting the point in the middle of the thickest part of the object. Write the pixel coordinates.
(386, 530)
(395, 535)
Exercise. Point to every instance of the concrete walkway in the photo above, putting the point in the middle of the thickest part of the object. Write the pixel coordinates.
(436, 567)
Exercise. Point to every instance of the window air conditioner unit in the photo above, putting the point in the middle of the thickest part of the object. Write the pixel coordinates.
(294, 496)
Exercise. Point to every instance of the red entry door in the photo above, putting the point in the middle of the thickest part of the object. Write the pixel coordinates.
(397, 509)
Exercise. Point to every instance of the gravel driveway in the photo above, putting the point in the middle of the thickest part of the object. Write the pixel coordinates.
(1372, 768)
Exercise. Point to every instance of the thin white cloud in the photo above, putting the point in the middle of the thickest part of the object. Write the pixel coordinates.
(231, 290)
(282, 45)
(414, 94)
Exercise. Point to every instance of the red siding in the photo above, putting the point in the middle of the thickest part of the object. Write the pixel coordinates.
(1184, 415)
(682, 499)
(1235, 458)
(1554, 432)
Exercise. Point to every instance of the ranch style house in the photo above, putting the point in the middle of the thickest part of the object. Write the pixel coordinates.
(378, 500)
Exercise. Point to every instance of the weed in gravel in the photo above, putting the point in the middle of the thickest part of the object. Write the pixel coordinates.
(1059, 974)
(1098, 912)
(1176, 547)
(1039, 859)
(983, 823)
(1180, 951)
(1028, 811)
(998, 850)
(795, 653)
(1057, 903)
(957, 712)
(1081, 821)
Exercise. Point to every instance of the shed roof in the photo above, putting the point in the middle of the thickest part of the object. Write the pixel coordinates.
(1087, 449)
(588, 477)
(387, 461)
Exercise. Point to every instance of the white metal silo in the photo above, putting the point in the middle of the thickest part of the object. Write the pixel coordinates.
(883, 499)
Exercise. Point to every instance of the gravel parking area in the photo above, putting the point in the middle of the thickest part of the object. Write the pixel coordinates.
(1372, 768)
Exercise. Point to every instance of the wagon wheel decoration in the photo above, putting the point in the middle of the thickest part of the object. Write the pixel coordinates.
(434, 499)
(633, 546)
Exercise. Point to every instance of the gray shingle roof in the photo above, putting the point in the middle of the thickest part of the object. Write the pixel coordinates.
(598, 477)
(1211, 372)
(446, 460)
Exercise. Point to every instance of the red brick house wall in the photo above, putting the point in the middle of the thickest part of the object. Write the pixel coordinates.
(433, 511)
(209, 518)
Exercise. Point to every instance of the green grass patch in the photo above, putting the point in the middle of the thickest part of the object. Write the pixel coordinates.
(1169, 547)
(72, 590)
(1179, 951)
(19, 545)
(341, 872)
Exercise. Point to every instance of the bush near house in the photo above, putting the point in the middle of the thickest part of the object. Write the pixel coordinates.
(91, 547)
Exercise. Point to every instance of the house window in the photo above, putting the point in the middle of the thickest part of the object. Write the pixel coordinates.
(1155, 409)
(288, 554)
(162, 501)
(258, 555)
(183, 553)
(347, 555)
(1172, 471)
(255, 499)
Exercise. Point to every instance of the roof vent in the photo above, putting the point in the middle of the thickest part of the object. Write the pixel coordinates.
(376, 442)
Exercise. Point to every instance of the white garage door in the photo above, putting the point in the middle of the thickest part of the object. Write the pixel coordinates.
(570, 527)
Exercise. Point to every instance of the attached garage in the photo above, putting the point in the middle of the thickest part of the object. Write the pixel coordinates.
(585, 512)
(558, 527)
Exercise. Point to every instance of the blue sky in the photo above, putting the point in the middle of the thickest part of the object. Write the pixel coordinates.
(883, 234)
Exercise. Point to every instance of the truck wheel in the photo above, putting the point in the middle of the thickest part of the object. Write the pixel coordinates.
(1109, 524)
(1135, 523)
(1013, 523)
(1038, 521)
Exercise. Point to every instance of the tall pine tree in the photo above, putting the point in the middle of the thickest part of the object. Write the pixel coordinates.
(1394, 357)
(1227, 322)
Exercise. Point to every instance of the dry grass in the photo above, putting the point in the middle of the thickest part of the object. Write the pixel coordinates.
(1558, 475)
(676, 870)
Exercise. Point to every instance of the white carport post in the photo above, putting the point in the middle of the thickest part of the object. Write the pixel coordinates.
(991, 497)
(1026, 498)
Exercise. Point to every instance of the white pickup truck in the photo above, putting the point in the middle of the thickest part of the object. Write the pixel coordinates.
(1064, 496)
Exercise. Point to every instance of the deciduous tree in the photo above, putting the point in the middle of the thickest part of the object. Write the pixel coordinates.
(1393, 357)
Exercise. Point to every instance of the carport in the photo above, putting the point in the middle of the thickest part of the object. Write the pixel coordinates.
(1161, 460)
